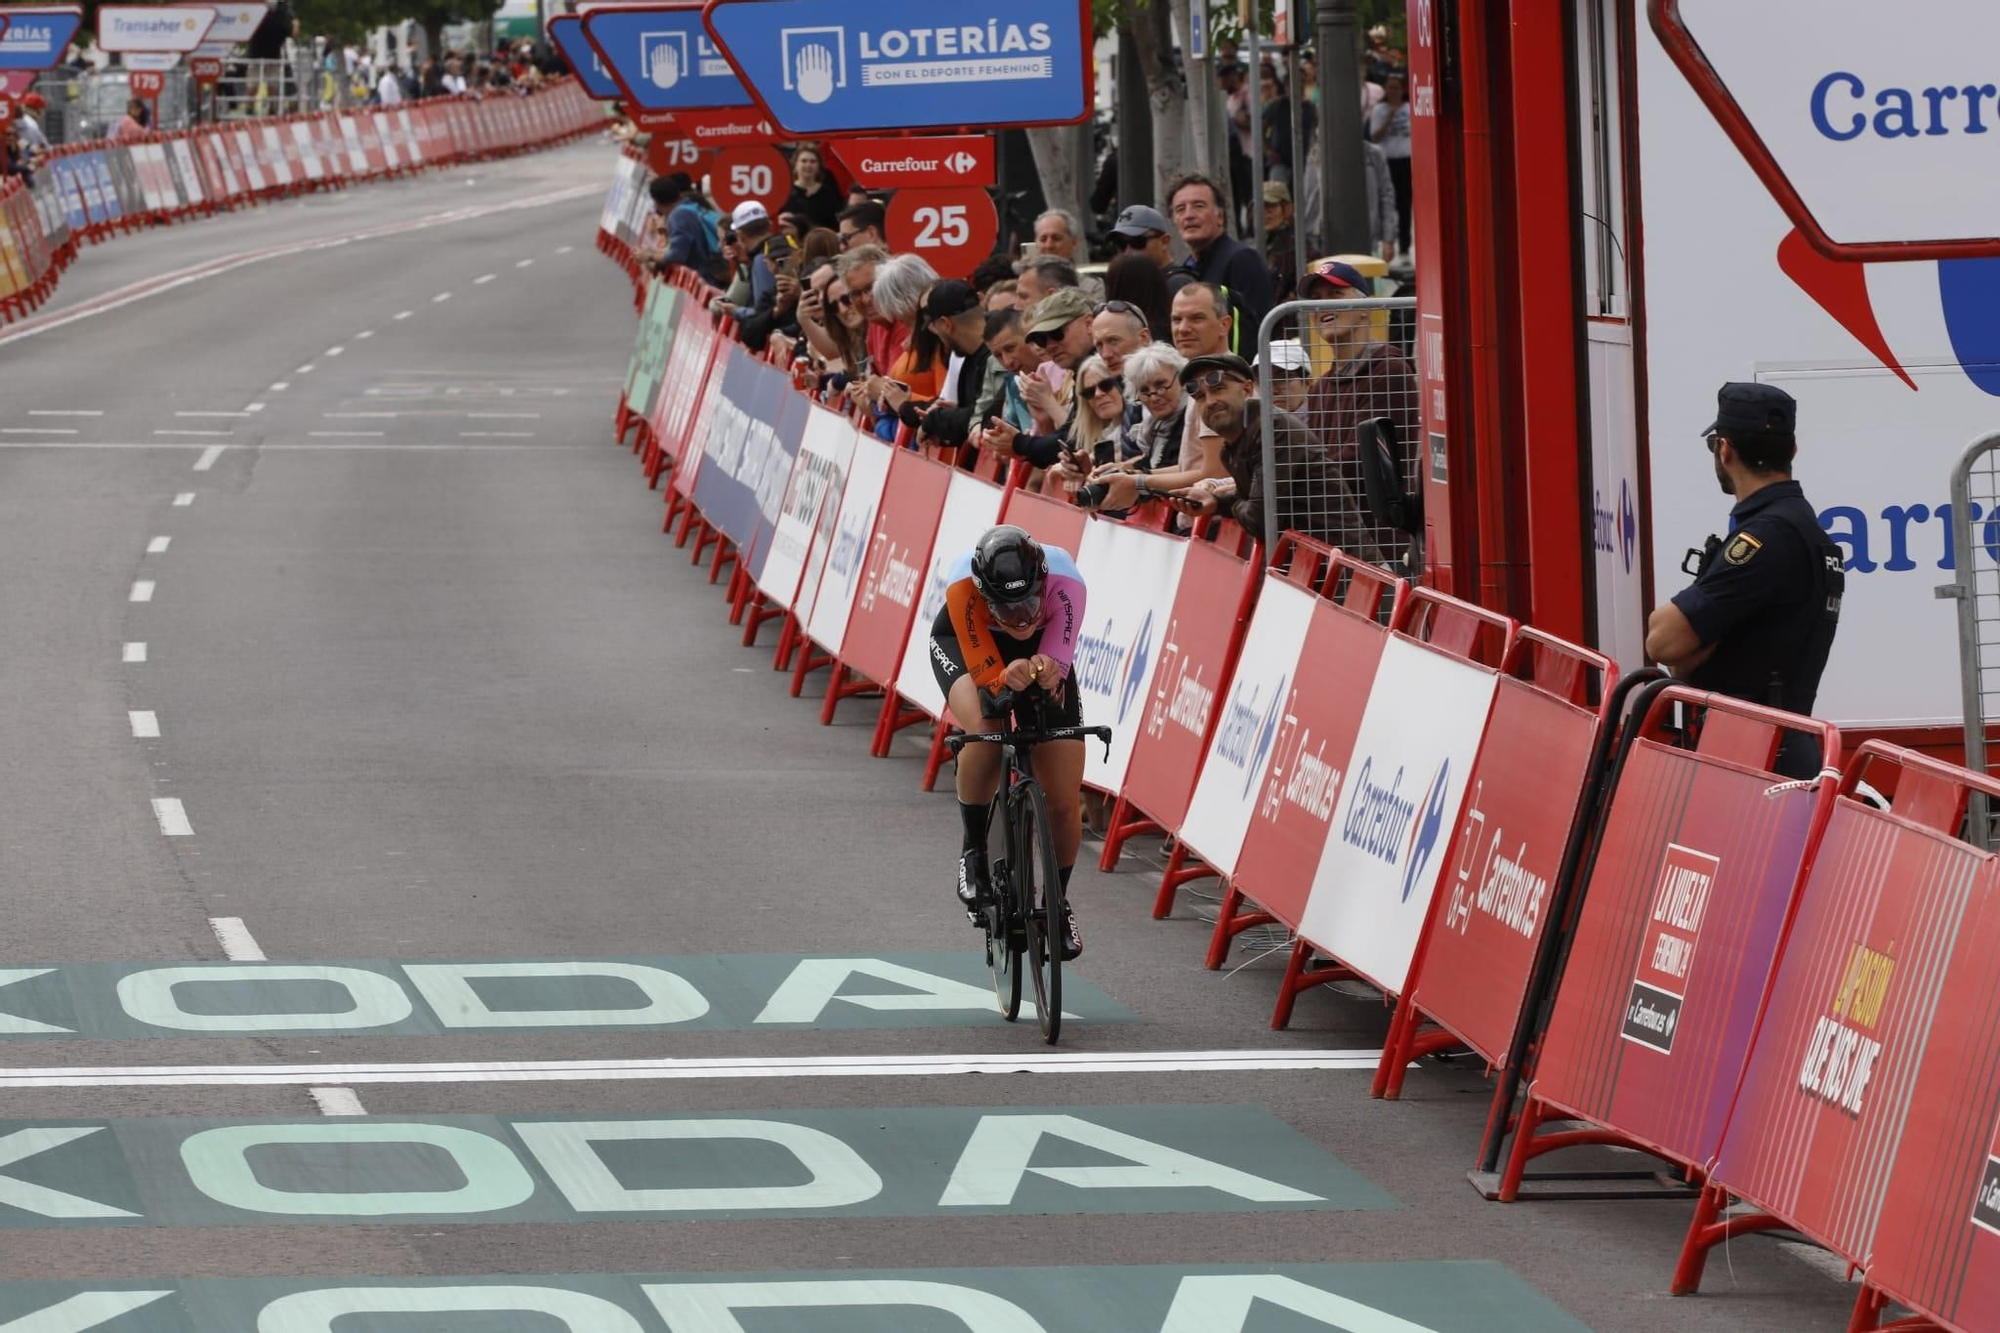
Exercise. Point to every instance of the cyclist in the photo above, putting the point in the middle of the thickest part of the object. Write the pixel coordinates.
(1012, 611)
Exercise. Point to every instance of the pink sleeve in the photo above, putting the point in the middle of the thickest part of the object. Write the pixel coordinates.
(1064, 598)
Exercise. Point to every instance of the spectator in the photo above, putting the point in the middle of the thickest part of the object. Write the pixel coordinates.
(736, 258)
(862, 224)
(774, 291)
(1218, 258)
(1105, 432)
(1305, 496)
(1281, 244)
(920, 367)
(132, 125)
(1277, 125)
(1291, 374)
(278, 26)
(953, 314)
(1011, 360)
(1118, 329)
(1042, 277)
(814, 196)
(430, 79)
(28, 117)
(1369, 377)
(1236, 98)
(884, 338)
(1389, 126)
(454, 75)
(16, 158)
(995, 268)
(1380, 200)
(836, 330)
(1382, 61)
(1147, 231)
(1058, 233)
(1003, 295)
(389, 88)
(1371, 91)
(1059, 327)
(1153, 380)
(1201, 327)
(1136, 280)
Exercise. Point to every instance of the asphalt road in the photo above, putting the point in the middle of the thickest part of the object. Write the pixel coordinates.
(345, 527)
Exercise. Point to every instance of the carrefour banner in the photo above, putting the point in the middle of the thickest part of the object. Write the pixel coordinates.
(1824, 1113)
(1406, 783)
(1136, 574)
(971, 506)
(1678, 934)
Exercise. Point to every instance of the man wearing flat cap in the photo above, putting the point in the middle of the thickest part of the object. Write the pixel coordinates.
(1758, 621)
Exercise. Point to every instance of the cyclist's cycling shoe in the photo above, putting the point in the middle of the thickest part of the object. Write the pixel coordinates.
(973, 891)
(1072, 942)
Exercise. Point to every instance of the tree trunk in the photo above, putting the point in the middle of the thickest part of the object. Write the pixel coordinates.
(1060, 164)
(1166, 95)
(1209, 121)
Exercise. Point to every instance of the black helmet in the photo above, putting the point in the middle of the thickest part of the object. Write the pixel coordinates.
(1009, 569)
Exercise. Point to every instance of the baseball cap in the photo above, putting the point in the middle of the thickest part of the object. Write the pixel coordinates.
(1290, 354)
(1055, 311)
(1754, 409)
(1227, 362)
(1339, 274)
(748, 214)
(34, 101)
(1277, 192)
(949, 299)
(1139, 220)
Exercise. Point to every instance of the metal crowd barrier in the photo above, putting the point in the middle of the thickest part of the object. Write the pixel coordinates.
(1975, 501)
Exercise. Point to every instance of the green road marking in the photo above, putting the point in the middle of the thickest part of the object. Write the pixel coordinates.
(1449, 1297)
(893, 1162)
(703, 993)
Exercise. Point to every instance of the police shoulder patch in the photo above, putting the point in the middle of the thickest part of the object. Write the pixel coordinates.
(1742, 548)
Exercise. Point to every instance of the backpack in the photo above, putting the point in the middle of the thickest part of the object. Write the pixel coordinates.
(707, 257)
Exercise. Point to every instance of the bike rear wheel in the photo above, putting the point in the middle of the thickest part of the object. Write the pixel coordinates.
(1004, 942)
(1038, 885)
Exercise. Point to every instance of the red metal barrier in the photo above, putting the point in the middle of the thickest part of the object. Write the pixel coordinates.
(1471, 977)
(1822, 1118)
(1699, 862)
(891, 580)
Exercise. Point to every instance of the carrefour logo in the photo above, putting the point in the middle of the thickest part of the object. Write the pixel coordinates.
(1248, 729)
(1393, 828)
(1106, 665)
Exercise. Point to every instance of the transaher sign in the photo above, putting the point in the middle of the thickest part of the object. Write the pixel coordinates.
(832, 66)
(154, 27)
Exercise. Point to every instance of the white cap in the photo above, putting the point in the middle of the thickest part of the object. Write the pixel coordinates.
(1290, 354)
(746, 213)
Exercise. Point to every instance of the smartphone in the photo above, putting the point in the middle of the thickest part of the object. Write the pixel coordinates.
(1030, 250)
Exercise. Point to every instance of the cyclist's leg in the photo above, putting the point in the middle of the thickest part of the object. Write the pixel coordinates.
(1059, 770)
(978, 765)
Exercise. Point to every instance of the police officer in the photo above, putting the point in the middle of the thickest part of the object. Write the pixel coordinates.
(1758, 621)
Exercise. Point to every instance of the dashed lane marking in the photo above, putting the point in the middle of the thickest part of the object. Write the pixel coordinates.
(346, 434)
(404, 314)
(184, 499)
(483, 279)
(564, 249)
(238, 944)
(195, 434)
(281, 386)
(359, 416)
(172, 817)
(158, 546)
(440, 298)
(208, 457)
(145, 724)
(335, 351)
(503, 416)
(525, 263)
(497, 434)
(134, 652)
(363, 335)
(337, 1101)
(142, 591)
(196, 415)
(66, 412)
(38, 430)
(307, 369)
(253, 409)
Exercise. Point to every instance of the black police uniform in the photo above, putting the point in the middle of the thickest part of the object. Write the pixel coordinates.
(1768, 595)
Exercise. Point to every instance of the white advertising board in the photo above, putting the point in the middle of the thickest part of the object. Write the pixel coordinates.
(970, 507)
(816, 483)
(860, 502)
(1239, 753)
(1879, 426)
(1397, 809)
(178, 28)
(1134, 575)
(235, 22)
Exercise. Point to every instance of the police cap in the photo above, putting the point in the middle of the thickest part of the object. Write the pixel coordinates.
(1753, 409)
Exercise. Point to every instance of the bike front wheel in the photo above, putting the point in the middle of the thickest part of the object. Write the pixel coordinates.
(1038, 887)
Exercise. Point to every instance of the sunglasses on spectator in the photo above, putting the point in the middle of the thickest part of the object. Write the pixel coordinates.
(1210, 380)
(1119, 308)
(1051, 336)
(1101, 387)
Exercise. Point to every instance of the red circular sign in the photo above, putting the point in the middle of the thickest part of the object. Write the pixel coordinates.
(750, 171)
(207, 70)
(6, 109)
(148, 83)
(667, 152)
(953, 229)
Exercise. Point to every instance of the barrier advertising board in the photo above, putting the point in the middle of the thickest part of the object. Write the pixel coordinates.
(659, 320)
(1310, 760)
(673, 414)
(853, 538)
(1047, 520)
(720, 354)
(743, 435)
(1521, 800)
(826, 66)
(1825, 1102)
(1397, 809)
(662, 58)
(892, 578)
(1677, 936)
(1136, 572)
(825, 450)
(970, 507)
(772, 478)
(1239, 752)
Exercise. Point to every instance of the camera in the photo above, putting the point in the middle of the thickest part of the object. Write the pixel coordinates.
(1091, 494)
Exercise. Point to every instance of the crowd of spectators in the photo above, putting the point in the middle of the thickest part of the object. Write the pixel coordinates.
(1128, 387)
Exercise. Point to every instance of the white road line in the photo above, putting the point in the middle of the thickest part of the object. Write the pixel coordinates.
(184, 499)
(525, 263)
(440, 298)
(281, 386)
(253, 409)
(497, 434)
(66, 412)
(238, 944)
(306, 369)
(564, 249)
(145, 724)
(142, 591)
(134, 652)
(365, 333)
(172, 816)
(158, 546)
(196, 434)
(211, 414)
(503, 416)
(335, 351)
(483, 279)
(37, 430)
(603, 1071)
(404, 314)
(208, 457)
(337, 1101)
(359, 416)
(345, 434)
